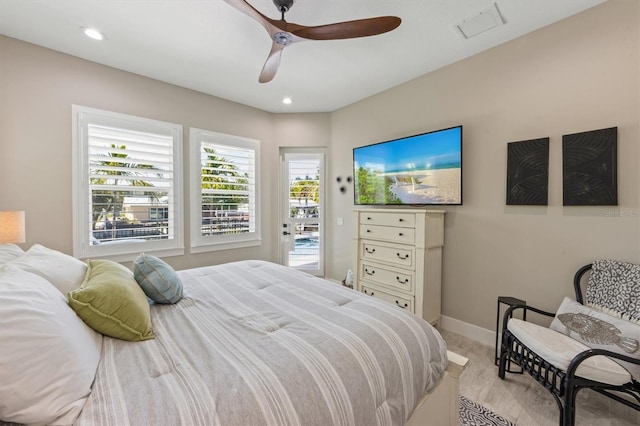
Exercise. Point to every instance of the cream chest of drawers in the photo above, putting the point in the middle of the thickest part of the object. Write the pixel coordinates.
(398, 258)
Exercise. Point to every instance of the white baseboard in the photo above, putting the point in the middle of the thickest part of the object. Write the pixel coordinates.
(473, 332)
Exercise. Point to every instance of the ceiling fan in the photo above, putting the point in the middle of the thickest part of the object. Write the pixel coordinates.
(284, 33)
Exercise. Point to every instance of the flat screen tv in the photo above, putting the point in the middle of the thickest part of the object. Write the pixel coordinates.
(424, 169)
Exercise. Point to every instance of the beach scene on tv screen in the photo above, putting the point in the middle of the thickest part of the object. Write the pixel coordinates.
(422, 169)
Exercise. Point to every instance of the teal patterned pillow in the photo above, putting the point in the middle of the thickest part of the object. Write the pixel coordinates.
(158, 280)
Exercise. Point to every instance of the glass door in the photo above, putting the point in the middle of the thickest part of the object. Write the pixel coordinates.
(302, 207)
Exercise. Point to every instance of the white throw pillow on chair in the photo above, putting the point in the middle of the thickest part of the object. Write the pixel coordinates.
(599, 330)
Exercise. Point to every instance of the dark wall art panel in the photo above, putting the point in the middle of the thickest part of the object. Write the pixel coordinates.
(590, 168)
(528, 172)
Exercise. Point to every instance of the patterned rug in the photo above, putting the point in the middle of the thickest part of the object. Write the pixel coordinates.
(474, 414)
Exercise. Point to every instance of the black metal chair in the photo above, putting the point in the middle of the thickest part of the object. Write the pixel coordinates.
(564, 385)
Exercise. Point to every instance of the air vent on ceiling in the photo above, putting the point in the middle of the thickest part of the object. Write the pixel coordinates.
(487, 19)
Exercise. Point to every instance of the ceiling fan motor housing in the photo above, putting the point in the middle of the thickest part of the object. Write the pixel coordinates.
(282, 38)
(283, 5)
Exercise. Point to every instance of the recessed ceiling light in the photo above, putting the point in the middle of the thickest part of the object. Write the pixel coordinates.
(287, 101)
(93, 33)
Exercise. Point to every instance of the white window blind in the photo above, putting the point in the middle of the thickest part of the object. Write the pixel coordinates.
(224, 184)
(127, 174)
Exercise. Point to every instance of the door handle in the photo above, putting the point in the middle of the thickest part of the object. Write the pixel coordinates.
(286, 233)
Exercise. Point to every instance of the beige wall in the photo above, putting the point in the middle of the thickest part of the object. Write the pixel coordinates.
(38, 87)
(580, 74)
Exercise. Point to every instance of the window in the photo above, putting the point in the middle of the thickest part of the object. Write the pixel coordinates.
(158, 213)
(127, 181)
(224, 202)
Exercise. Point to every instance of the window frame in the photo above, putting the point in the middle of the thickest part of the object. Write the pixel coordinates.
(200, 243)
(82, 117)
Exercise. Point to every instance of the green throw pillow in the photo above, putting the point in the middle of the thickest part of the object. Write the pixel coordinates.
(111, 302)
(158, 280)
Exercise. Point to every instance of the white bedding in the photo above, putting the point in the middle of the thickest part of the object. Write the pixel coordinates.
(254, 343)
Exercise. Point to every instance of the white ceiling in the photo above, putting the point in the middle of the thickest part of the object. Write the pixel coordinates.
(208, 46)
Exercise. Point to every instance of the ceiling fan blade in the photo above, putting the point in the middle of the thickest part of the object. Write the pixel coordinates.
(272, 26)
(252, 12)
(349, 29)
(272, 63)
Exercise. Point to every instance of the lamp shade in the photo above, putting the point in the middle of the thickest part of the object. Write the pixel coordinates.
(12, 227)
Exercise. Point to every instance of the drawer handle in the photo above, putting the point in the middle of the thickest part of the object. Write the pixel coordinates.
(405, 257)
(406, 305)
(367, 292)
(400, 234)
(368, 230)
(401, 220)
(366, 271)
(406, 280)
(368, 250)
(368, 218)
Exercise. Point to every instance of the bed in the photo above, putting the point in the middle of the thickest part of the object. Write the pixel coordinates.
(255, 343)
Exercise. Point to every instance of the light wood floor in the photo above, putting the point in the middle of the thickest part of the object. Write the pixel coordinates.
(522, 400)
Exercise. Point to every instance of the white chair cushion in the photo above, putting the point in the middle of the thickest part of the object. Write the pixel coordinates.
(559, 350)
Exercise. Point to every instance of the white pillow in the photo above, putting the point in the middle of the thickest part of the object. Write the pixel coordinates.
(599, 331)
(9, 252)
(66, 273)
(48, 356)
